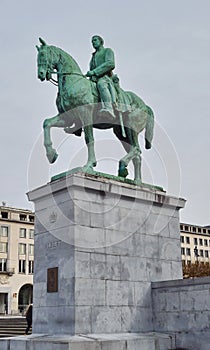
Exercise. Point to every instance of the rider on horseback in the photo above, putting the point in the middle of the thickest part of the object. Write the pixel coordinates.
(101, 66)
(77, 110)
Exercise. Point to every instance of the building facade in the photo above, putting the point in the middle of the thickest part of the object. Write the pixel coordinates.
(16, 259)
(195, 243)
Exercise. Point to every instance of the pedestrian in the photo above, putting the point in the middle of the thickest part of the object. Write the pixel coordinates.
(29, 312)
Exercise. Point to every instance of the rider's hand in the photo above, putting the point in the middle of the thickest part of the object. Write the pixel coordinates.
(90, 73)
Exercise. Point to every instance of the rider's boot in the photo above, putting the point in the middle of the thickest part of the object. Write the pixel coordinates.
(107, 110)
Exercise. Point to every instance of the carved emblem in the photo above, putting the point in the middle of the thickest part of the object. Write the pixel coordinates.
(53, 217)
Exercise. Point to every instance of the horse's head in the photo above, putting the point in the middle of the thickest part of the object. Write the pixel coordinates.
(44, 61)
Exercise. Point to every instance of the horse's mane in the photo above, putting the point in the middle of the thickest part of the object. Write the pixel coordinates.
(66, 56)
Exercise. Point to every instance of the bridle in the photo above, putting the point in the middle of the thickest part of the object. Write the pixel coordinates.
(50, 71)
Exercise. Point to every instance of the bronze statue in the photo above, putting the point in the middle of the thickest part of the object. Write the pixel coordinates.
(79, 108)
(101, 67)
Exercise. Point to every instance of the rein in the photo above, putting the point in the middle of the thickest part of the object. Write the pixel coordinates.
(55, 82)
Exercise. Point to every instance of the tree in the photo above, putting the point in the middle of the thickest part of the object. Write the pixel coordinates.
(198, 269)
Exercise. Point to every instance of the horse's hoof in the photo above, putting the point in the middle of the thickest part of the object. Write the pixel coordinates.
(87, 168)
(148, 144)
(52, 156)
(138, 182)
(123, 171)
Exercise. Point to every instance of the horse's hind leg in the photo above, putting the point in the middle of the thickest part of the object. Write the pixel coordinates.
(137, 169)
(122, 170)
(49, 123)
(137, 160)
(127, 145)
(89, 139)
(88, 130)
(133, 153)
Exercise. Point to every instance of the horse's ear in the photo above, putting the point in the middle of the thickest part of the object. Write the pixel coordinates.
(42, 41)
(37, 48)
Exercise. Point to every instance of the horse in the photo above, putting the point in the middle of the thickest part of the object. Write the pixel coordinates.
(78, 104)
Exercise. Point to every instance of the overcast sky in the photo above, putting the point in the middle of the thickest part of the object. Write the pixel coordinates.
(162, 51)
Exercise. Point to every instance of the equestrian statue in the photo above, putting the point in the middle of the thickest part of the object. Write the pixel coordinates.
(94, 100)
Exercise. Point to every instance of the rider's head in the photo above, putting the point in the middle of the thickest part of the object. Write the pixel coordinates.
(97, 41)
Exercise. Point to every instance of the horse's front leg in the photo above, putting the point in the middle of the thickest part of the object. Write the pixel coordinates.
(89, 139)
(49, 123)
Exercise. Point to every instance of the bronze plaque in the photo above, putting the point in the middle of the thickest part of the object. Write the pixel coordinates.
(52, 280)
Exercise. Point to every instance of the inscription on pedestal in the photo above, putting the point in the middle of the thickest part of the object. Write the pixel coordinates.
(52, 280)
(53, 245)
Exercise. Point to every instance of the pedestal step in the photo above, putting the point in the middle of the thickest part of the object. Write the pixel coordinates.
(123, 341)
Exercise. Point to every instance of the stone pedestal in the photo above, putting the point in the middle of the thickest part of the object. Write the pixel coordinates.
(98, 245)
(128, 341)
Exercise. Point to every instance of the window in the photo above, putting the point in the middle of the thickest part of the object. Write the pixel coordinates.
(194, 229)
(4, 231)
(31, 266)
(208, 231)
(199, 229)
(186, 228)
(4, 214)
(23, 217)
(201, 252)
(22, 266)
(22, 249)
(200, 241)
(31, 218)
(22, 232)
(188, 251)
(31, 249)
(182, 239)
(31, 234)
(206, 254)
(206, 242)
(183, 251)
(3, 247)
(181, 227)
(3, 265)
(195, 241)
(204, 230)
(187, 240)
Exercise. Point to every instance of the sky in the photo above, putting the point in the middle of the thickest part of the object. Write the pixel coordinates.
(162, 51)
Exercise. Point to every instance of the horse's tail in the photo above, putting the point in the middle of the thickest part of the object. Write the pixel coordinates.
(149, 128)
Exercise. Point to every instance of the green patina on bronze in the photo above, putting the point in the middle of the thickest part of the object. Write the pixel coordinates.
(97, 174)
(98, 102)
